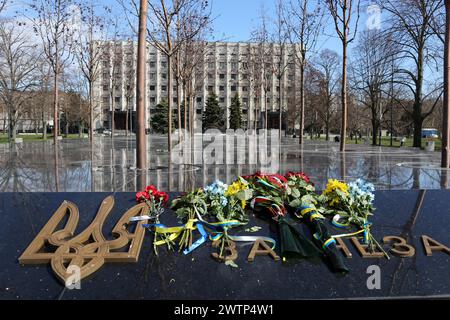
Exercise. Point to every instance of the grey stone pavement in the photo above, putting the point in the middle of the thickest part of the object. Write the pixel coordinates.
(110, 166)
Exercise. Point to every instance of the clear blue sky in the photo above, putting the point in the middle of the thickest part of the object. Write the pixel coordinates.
(235, 19)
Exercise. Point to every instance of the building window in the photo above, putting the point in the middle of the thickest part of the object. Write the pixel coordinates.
(117, 99)
(233, 88)
(234, 65)
(163, 88)
(199, 99)
(105, 88)
(211, 65)
(233, 76)
(163, 75)
(210, 76)
(222, 100)
(152, 75)
(105, 99)
(222, 76)
(222, 65)
(152, 99)
(244, 76)
(163, 64)
(221, 88)
(152, 88)
(152, 64)
(210, 88)
(244, 88)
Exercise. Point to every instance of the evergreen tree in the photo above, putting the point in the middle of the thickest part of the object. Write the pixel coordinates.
(235, 113)
(213, 115)
(159, 120)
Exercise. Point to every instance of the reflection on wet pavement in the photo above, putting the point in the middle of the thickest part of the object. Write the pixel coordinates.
(110, 166)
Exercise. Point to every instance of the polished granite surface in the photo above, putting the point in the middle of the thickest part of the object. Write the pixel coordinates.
(110, 166)
(406, 213)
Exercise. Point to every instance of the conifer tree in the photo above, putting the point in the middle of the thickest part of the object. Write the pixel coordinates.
(235, 113)
(213, 115)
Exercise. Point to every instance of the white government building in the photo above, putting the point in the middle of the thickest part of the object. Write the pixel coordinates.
(223, 69)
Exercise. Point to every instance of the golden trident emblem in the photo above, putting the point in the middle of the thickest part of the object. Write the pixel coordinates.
(89, 250)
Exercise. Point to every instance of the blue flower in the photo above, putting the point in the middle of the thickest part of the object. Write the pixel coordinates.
(361, 189)
(216, 188)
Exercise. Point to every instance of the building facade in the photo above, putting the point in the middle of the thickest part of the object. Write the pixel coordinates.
(264, 76)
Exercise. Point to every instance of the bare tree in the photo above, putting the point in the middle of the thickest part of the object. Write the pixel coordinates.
(280, 39)
(162, 33)
(130, 78)
(52, 23)
(327, 65)
(18, 63)
(89, 56)
(372, 73)
(342, 12)
(304, 21)
(262, 62)
(409, 25)
(113, 54)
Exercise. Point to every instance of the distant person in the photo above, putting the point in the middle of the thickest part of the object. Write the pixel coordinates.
(402, 141)
(336, 139)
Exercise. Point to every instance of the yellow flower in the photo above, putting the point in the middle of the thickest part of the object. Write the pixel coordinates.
(334, 185)
(235, 187)
(243, 204)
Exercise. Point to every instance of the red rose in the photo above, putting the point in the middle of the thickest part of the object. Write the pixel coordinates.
(140, 196)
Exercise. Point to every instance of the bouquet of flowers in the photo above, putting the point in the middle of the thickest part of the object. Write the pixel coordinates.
(302, 199)
(270, 193)
(352, 205)
(226, 206)
(189, 209)
(155, 200)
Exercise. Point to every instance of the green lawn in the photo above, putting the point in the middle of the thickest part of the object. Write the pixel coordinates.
(34, 137)
(386, 142)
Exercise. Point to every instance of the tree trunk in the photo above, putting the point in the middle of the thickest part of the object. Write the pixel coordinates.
(180, 121)
(126, 120)
(280, 103)
(91, 114)
(446, 106)
(344, 94)
(417, 108)
(113, 109)
(169, 104)
(265, 111)
(185, 106)
(55, 108)
(141, 141)
(302, 100)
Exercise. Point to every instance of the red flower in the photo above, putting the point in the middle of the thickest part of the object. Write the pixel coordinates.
(140, 196)
(161, 195)
(151, 189)
(299, 175)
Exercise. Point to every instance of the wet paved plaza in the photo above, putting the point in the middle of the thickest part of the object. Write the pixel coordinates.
(110, 166)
